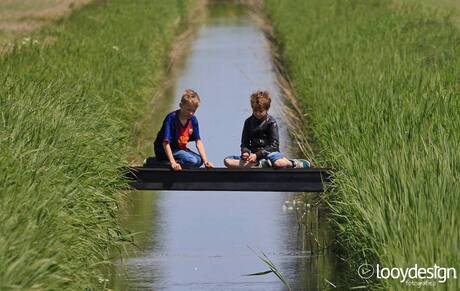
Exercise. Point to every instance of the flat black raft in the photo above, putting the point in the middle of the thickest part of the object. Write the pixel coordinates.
(223, 179)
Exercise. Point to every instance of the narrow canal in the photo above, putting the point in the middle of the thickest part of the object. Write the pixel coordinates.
(202, 240)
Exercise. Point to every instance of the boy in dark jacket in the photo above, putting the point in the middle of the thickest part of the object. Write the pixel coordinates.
(260, 139)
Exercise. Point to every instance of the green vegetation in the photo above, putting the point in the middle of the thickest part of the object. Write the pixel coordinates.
(273, 269)
(66, 115)
(379, 81)
(18, 18)
(449, 6)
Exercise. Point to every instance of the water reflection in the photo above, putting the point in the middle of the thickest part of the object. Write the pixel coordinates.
(200, 240)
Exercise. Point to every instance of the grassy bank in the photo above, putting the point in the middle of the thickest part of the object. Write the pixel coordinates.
(19, 18)
(66, 112)
(379, 81)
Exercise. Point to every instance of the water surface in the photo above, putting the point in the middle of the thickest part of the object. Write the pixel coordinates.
(203, 240)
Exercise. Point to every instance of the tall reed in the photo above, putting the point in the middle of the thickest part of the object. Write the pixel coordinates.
(66, 111)
(379, 83)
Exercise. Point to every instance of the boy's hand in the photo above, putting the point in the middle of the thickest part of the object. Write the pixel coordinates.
(208, 164)
(245, 156)
(252, 158)
(176, 166)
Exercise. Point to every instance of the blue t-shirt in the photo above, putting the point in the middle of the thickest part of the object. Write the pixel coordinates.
(176, 134)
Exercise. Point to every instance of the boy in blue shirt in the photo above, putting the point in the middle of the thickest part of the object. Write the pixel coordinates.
(260, 140)
(179, 127)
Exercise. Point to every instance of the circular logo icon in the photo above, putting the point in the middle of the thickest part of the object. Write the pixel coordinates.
(366, 271)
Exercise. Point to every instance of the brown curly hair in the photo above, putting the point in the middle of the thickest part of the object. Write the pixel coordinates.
(191, 97)
(260, 100)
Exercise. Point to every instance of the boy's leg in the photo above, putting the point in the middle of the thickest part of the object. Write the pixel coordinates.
(237, 162)
(187, 158)
(283, 163)
(278, 160)
(232, 162)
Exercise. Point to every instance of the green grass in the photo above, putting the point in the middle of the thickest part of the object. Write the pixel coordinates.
(19, 18)
(452, 7)
(66, 118)
(379, 81)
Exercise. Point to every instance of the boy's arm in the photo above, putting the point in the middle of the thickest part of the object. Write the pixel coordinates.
(199, 143)
(175, 166)
(200, 147)
(273, 143)
(245, 139)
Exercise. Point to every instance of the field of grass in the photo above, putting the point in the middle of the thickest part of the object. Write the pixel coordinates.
(452, 7)
(379, 82)
(66, 115)
(19, 18)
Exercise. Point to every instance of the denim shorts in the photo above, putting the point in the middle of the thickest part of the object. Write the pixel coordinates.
(187, 158)
(272, 157)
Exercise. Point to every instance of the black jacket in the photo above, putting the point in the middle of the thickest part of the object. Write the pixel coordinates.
(260, 136)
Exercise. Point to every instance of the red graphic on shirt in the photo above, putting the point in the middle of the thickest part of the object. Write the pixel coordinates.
(184, 135)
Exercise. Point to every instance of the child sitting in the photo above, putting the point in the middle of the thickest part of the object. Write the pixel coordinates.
(260, 139)
(179, 127)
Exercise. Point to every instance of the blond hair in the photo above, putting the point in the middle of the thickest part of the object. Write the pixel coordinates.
(190, 97)
(260, 100)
